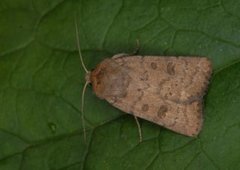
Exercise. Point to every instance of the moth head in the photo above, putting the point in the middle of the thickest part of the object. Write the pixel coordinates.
(87, 76)
(98, 79)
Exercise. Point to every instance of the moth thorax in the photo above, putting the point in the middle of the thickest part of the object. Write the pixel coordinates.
(109, 82)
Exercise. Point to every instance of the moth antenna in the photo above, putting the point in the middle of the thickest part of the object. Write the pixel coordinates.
(82, 108)
(86, 83)
(78, 46)
(139, 129)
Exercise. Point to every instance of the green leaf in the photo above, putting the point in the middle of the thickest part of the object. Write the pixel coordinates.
(42, 80)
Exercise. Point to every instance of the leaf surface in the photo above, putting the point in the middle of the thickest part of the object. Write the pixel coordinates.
(42, 79)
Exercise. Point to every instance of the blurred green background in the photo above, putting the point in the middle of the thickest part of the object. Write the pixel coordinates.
(41, 80)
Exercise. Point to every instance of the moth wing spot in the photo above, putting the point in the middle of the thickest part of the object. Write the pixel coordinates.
(162, 111)
(171, 68)
(153, 66)
(145, 107)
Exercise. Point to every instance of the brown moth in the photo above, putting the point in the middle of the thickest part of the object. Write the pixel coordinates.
(167, 91)
(164, 90)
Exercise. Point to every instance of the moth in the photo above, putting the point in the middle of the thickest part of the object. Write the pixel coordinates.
(165, 90)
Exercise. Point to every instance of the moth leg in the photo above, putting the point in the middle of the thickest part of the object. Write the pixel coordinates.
(120, 55)
(139, 129)
(137, 48)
